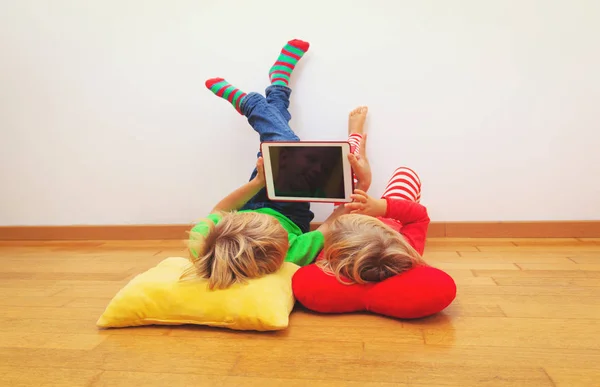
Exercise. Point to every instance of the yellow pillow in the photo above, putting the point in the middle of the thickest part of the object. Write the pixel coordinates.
(157, 296)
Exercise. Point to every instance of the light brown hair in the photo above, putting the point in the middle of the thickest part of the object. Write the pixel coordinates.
(362, 249)
(241, 246)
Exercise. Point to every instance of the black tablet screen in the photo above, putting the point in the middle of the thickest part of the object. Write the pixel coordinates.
(308, 171)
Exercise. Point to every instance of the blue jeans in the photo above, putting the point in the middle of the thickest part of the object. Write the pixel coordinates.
(270, 117)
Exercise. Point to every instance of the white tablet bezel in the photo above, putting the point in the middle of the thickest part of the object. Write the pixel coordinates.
(347, 171)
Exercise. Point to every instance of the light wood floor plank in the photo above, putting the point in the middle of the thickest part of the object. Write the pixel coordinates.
(568, 310)
(489, 356)
(409, 372)
(563, 283)
(476, 266)
(574, 376)
(468, 290)
(532, 256)
(42, 325)
(595, 260)
(15, 312)
(539, 266)
(49, 358)
(155, 379)
(565, 333)
(236, 381)
(571, 249)
(35, 301)
(50, 340)
(549, 273)
(52, 377)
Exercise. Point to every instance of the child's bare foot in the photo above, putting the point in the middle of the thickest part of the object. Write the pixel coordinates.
(356, 120)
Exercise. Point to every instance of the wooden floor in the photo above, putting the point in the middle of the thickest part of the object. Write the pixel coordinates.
(527, 314)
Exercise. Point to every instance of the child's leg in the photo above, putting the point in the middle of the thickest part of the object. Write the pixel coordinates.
(269, 120)
(287, 60)
(265, 118)
(356, 128)
(278, 94)
(355, 139)
(404, 184)
(272, 125)
(279, 74)
(279, 97)
(269, 117)
(222, 88)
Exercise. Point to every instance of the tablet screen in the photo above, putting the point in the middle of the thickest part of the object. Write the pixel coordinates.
(307, 171)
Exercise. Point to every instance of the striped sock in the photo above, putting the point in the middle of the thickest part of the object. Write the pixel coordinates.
(404, 184)
(354, 139)
(225, 90)
(291, 53)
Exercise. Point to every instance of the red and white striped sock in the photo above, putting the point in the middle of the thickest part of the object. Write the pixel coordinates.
(404, 184)
(354, 139)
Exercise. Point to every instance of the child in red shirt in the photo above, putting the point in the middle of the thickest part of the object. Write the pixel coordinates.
(380, 238)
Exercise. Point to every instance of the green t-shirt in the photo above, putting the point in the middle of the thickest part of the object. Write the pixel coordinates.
(303, 248)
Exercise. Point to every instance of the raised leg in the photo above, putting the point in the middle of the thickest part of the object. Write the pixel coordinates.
(221, 88)
(270, 121)
(279, 97)
(286, 62)
(278, 94)
(266, 118)
(356, 129)
(270, 117)
(404, 184)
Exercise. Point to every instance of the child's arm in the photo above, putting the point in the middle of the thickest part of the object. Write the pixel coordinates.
(412, 215)
(339, 211)
(414, 219)
(236, 200)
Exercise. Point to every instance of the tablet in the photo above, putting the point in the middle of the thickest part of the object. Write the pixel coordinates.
(308, 171)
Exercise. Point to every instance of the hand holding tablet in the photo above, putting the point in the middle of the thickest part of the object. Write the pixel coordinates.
(308, 171)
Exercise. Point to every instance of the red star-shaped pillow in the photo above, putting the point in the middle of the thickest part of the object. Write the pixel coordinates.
(417, 293)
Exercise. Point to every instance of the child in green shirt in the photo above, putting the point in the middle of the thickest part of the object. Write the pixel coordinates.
(247, 235)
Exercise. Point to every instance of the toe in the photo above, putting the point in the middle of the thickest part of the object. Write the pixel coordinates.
(356, 111)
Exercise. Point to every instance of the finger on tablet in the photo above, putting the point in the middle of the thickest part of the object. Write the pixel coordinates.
(357, 198)
(354, 206)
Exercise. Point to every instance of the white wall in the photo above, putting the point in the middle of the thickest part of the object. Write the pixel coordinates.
(104, 118)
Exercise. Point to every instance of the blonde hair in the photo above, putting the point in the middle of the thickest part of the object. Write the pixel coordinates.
(362, 249)
(241, 246)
